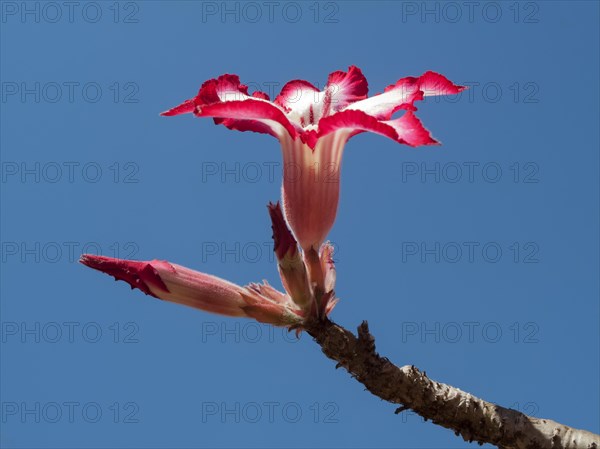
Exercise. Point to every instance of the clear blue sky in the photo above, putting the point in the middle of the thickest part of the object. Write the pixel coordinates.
(476, 261)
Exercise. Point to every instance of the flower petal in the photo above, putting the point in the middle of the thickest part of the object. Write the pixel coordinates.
(354, 122)
(225, 88)
(411, 131)
(302, 102)
(249, 125)
(293, 93)
(221, 98)
(186, 107)
(404, 93)
(255, 115)
(432, 83)
(401, 95)
(344, 88)
(407, 129)
(306, 105)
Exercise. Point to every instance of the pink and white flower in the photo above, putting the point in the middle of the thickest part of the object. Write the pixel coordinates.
(313, 126)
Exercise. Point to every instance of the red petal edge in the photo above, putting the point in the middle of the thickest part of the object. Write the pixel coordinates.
(411, 131)
(135, 273)
(344, 88)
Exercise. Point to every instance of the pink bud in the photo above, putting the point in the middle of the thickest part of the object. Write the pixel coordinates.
(289, 260)
(174, 283)
(181, 285)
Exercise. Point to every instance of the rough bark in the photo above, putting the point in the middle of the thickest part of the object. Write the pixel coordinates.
(468, 416)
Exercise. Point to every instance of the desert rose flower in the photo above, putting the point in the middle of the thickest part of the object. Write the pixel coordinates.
(174, 283)
(312, 127)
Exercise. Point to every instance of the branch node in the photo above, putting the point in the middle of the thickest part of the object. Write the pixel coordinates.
(365, 339)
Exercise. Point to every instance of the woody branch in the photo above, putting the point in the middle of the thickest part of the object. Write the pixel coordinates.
(468, 416)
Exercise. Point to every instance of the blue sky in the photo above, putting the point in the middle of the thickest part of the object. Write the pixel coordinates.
(476, 261)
